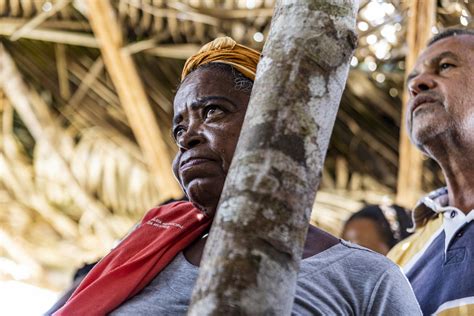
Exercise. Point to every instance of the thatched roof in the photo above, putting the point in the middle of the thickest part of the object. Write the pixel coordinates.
(85, 136)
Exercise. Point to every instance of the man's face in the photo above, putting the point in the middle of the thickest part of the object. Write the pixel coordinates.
(441, 90)
(208, 117)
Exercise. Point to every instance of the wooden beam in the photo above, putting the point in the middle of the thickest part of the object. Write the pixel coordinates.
(132, 95)
(221, 14)
(178, 51)
(61, 67)
(50, 35)
(342, 173)
(38, 19)
(53, 24)
(86, 83)
(421, 18)
(184, 14)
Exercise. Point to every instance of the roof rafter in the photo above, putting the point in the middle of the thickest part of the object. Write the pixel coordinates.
(50, 35)
(40, 18)
(132, 94)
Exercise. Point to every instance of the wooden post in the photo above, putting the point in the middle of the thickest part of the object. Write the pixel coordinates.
(132, 95)
(410, 171)
(61, 65)
(252, 257)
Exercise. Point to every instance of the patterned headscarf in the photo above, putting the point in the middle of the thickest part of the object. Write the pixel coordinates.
(224, 50)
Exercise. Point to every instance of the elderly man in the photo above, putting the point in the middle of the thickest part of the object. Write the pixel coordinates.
(439, 258)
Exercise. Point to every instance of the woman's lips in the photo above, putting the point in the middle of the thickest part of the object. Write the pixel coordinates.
(193, 162)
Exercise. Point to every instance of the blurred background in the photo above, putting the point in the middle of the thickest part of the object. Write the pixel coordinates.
(86, 90)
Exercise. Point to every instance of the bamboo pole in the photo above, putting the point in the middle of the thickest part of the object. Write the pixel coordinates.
(86, 83)
(221, 13)
(37, 20)
(50, 35)
(132, 95)
(69, 25)
(189, 14)
(252, 257)
(176, 51)
(61, 66)
(421, 18)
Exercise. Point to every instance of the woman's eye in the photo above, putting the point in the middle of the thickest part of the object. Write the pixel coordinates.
(178, 132)
(212, 111)
(445, 66)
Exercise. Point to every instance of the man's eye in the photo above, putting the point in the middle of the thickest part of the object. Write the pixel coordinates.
(212, 111)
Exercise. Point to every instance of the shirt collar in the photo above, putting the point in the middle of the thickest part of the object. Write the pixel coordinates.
(453, 218)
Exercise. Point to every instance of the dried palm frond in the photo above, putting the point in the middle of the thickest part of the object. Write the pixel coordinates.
(104, 168)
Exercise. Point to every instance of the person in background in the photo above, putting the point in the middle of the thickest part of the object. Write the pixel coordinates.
(378, 227)
(438, 258)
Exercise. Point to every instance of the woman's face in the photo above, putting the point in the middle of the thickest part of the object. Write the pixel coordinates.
(208, 116)
(364, 232)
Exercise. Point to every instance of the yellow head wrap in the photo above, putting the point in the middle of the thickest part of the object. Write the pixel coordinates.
(224, 50)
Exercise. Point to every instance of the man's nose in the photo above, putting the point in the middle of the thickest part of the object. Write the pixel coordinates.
(422, 82)
(190, 139)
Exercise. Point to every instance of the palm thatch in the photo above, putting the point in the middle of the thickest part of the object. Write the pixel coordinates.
(74, 174)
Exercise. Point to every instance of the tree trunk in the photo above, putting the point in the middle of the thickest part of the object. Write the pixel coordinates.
(252, 257)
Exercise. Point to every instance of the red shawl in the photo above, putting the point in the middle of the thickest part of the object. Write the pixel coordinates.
(162, 234)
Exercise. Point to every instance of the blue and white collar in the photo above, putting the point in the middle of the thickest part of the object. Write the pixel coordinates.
(454, 219)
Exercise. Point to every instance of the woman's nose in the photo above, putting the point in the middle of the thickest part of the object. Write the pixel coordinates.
(190, 138)
(422, 82)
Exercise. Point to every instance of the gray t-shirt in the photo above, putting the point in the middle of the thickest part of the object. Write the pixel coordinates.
(343, 280)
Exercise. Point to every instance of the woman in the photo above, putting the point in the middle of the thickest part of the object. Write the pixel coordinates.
(378, 227)
(154, 269)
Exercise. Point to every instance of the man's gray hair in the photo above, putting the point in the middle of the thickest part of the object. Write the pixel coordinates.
(453, 31)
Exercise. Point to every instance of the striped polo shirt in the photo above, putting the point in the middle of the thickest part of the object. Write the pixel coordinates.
(438, 258)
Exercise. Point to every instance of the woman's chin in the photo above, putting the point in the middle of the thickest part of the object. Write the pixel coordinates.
(208, 210)
(205, 194)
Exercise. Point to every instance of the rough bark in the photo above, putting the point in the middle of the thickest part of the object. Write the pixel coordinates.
(255, 246)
